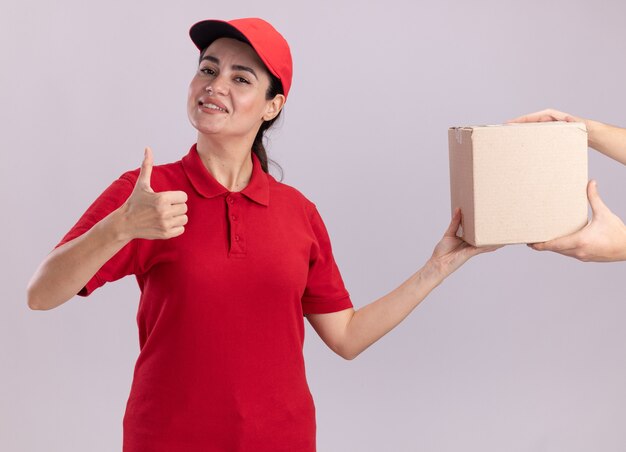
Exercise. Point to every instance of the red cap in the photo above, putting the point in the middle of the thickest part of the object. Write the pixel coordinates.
(268, 43)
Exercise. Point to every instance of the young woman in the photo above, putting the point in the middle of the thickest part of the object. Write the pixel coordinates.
(228, 261)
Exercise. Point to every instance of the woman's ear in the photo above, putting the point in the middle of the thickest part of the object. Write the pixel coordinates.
(273, 107)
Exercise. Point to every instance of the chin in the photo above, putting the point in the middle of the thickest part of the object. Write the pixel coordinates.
(206, 129)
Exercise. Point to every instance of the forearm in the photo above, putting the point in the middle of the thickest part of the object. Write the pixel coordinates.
(67, 269)
(619, 246)
(607, 139)
(376, 319)
(349, 332)
(622, 248)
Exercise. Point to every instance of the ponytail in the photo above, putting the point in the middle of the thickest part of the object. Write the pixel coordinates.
(258, 147)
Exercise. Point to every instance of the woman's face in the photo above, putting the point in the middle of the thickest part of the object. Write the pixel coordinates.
(234, 106)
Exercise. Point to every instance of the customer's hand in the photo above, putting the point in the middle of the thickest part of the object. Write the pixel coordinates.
(607, 139)
(602, 240)
(547, 116)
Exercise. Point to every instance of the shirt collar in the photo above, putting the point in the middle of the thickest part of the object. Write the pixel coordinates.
(258, 189)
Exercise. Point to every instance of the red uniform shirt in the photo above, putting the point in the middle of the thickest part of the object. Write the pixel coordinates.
(220, 318)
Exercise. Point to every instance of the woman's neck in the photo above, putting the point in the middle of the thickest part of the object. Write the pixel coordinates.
(228, 162)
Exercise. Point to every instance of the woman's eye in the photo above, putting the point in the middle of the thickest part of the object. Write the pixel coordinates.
(207, 71)
(241, 80)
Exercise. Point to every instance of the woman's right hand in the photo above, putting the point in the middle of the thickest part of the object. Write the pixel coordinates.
(150, 215)
(145, 214)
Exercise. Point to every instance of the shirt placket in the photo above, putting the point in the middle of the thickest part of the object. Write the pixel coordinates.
(237, 239)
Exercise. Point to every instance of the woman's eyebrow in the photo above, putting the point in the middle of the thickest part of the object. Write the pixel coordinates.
(210, 58)
(235, 67)
(238, 67)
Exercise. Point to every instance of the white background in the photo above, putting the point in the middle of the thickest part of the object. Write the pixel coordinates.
(517, 351)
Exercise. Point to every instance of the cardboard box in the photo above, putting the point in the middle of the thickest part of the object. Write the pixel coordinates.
(519, 183)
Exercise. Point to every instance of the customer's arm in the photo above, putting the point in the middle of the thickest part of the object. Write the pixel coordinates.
(604, 238)
(610, 140)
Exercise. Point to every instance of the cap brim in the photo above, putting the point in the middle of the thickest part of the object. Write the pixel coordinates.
(205, 32)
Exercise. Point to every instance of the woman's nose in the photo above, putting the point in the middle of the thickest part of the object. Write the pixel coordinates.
(217, 86)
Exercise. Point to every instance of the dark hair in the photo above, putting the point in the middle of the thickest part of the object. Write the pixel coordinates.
(275, 88)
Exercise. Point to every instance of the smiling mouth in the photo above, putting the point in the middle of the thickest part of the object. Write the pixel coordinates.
(211, 106)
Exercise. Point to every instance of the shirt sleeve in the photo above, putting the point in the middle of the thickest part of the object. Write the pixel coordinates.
(123, 262)
(325, 291)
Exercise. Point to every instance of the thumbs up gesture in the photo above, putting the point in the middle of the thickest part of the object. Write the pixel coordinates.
(151, 215)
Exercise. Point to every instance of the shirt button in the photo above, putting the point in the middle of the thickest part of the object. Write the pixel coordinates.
(231, 200)
(234, 217)
(236, 238)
